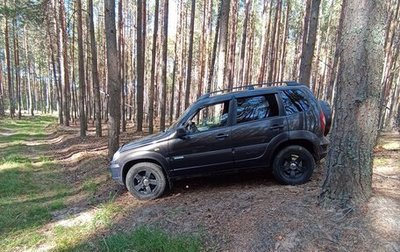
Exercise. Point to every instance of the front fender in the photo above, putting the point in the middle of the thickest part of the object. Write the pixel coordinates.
(145, 156)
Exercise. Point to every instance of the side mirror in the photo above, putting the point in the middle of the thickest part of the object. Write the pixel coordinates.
(181, 132)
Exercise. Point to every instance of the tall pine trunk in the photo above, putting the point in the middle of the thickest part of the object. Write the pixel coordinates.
(355, 126)
(95, 74)
(114, 86)
(164, 67)
(310, 34)
(153, 68)
(223, 42)
(64, 43)
(190, 54)
(8, 63)
(140, 55)
(82, 116)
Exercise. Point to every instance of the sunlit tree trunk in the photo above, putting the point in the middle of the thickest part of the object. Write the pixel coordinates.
(164, 66)
(153, 66)
(8, 63)
(82, 84)
(140, 55)
(223, 42)
(309, 38)
(95, 75)
(114, 83)
(355, 126)
(190, 54)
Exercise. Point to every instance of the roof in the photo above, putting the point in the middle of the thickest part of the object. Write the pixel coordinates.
(245, 90)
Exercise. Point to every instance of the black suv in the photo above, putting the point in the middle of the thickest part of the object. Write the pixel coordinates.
(282, 127)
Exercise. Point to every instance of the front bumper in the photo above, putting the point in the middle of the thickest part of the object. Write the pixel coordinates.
(115, 170)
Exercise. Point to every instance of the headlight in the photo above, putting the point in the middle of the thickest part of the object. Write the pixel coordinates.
(116, 155)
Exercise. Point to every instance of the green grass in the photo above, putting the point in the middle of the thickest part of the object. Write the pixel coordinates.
(90, 186)
(144, 239)
(32, 189)
(29, 191)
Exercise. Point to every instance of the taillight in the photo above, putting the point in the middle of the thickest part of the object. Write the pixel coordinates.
(322, 121)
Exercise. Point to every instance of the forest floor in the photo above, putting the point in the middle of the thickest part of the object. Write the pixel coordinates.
(56, 195)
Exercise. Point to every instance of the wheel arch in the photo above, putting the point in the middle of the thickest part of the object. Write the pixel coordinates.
(153, 160)
(301, 140)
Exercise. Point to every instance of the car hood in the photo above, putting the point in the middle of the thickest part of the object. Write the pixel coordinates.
(155, 138)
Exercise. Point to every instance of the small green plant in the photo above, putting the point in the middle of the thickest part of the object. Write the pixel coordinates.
(90, 186)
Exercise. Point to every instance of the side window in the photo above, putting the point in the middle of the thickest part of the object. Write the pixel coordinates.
(209, 117)
(294, 101)
(256, 108)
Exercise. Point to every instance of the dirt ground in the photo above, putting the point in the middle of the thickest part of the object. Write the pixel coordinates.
(249, 212)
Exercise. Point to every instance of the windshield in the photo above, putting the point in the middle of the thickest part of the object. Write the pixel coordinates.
(175, 124)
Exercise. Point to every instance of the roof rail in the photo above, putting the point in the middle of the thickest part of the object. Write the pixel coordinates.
(250, 87)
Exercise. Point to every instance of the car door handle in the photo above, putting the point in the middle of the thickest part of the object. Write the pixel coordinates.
(277, 126)
(221, 136)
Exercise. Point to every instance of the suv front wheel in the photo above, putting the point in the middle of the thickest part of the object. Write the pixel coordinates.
(293, 165)
(146, 181)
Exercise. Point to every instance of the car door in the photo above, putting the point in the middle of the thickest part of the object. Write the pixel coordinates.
(258, 120)
(207, 146)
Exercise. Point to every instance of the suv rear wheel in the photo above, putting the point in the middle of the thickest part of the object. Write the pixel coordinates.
(145, 181)
(293, 165)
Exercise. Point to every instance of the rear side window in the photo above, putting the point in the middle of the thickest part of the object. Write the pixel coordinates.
(256, 108)
(294, 101)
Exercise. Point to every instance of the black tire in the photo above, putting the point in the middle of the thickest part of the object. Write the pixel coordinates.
(293, 165)
(326, 109)
(146, 181)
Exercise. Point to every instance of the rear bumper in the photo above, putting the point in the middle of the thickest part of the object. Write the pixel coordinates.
(323, 147)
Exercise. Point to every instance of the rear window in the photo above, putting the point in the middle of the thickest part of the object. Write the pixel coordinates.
(256, 108)
(294, 101)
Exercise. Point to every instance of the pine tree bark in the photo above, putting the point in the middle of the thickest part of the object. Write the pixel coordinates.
(28, 66)
(164, 67)
(140, 64)
(349, 165)
(2, 109)
(67, 92)
(243, 44)
(223, 42)
(309, 39)
(82, 115)
(17, 68)
(95, 74)
(8, 63)
(190, 54)
(153, 66)
(114, 86)
(57, 36)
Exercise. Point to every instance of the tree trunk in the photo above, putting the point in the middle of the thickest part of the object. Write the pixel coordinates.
(223, 42)
(243, 45)
(349, 165)
(230, 67)
(309, 39)
(28, 67)
(95, 74)
(164, 66)
(57, 36)
(190, 54)
(114, 86)
(214, 51)
(82, 116)
(140, 64)
(67, 92)
(17, 67)
(153, 66)
(2, 109)
(8, 62)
